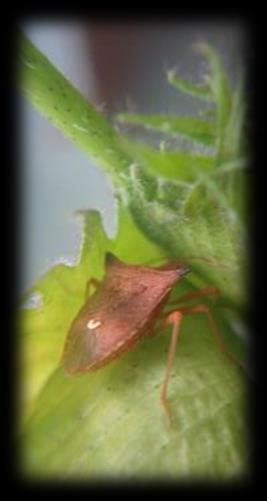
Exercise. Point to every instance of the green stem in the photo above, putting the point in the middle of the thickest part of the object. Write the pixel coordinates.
(55, 98)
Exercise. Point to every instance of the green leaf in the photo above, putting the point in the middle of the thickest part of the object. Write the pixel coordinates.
(62, 289)
(198, 219)
(190, 128)
(201, 92)
(110, 423)
(219, 85)
(172, 164)
(234, 131)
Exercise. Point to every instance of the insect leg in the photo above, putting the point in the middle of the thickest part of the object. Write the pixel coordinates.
(91, 282)
(203, 308)
(175, 319)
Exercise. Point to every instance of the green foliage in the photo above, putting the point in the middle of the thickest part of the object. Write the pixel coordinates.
(184, 204)
(190, 128)
(200, 91)
(201, 211)
(111, 423)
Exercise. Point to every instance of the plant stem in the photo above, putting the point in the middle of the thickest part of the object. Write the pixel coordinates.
(56, 99)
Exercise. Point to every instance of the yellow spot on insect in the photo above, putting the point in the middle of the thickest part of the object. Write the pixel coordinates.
(93, 324)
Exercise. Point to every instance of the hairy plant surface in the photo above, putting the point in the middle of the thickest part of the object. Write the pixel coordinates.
(173, 203)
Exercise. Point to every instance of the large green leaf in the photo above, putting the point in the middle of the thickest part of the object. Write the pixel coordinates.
(201, 219)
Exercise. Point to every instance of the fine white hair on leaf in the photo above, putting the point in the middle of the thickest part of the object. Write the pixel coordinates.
(79, 127)
(132, 169)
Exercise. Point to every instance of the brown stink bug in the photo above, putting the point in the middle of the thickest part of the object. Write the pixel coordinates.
(124, 308)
